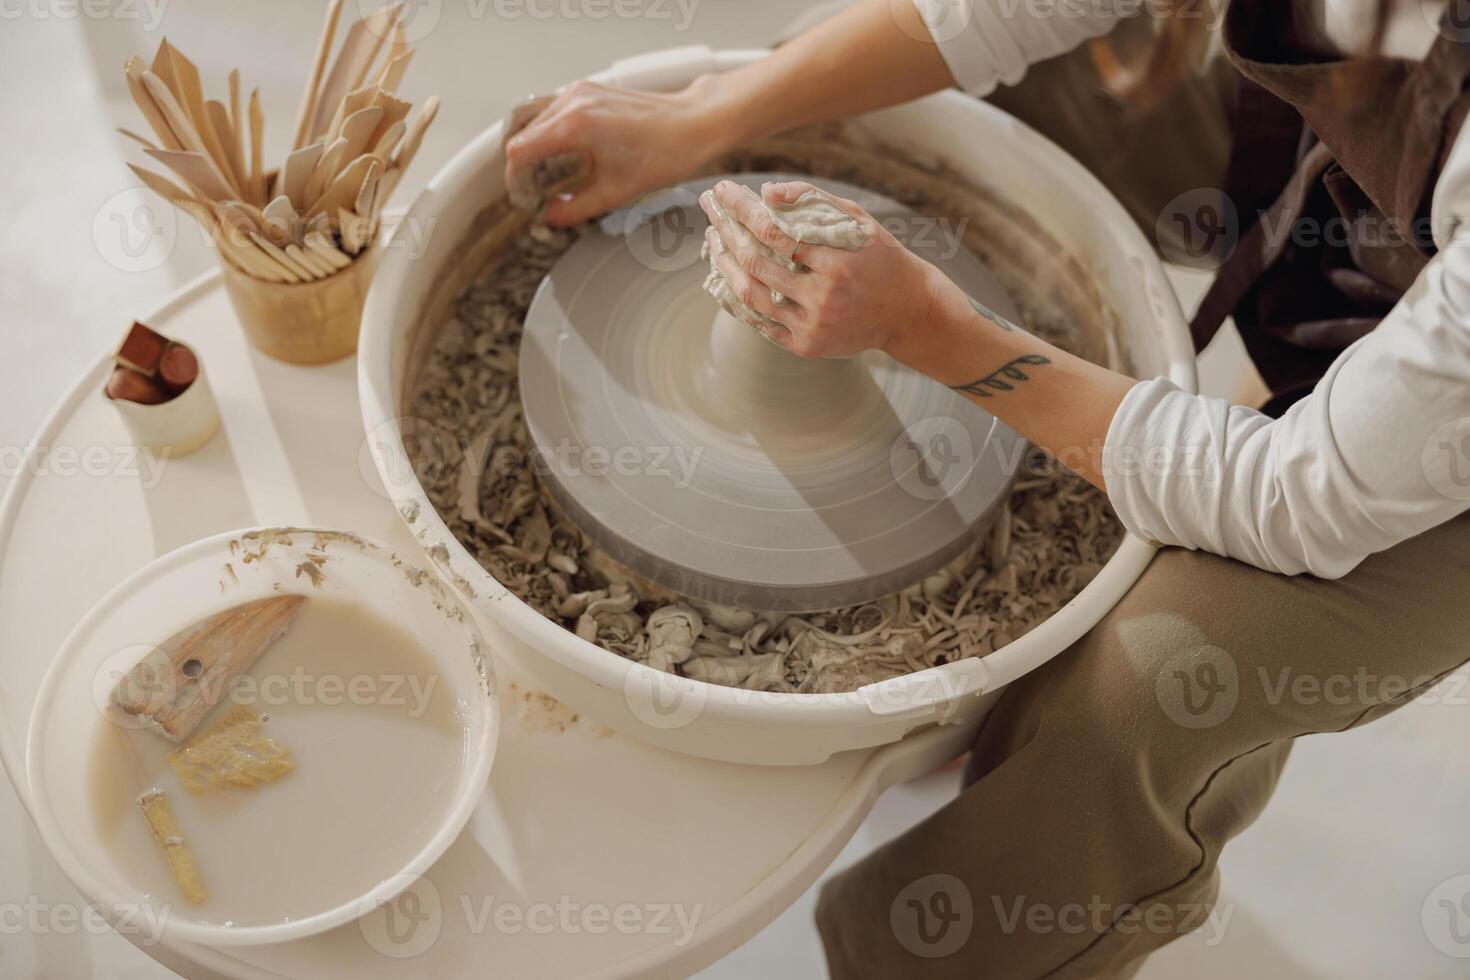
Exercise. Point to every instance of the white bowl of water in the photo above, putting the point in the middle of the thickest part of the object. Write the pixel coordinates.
(381, 693)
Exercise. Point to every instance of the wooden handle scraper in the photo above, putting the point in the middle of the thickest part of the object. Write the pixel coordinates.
(173, 688)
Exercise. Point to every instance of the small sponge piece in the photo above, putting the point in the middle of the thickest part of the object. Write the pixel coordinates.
(160, 817)
(234, 752)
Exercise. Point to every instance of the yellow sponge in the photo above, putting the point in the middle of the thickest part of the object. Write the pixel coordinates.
(235, 751)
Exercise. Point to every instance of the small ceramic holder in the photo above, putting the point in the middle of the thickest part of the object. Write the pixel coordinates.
(303, 323)
(175, 427)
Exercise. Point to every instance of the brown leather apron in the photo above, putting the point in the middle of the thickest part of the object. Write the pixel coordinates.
(1358, 144)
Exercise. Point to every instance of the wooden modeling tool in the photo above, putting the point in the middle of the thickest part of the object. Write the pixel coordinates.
(173, 688)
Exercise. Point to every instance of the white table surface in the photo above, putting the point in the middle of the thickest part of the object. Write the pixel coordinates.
(1330, 882)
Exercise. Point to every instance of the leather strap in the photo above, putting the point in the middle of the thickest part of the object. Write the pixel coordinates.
(1259, 247)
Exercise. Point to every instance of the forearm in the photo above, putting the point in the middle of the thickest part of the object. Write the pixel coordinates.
(1058, 401)
(875, 54)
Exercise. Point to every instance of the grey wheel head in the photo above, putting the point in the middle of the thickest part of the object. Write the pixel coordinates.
(711, 461)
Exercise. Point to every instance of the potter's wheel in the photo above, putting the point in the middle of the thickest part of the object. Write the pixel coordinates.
(710, 460)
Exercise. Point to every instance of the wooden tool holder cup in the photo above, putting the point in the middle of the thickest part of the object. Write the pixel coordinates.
(302, 323)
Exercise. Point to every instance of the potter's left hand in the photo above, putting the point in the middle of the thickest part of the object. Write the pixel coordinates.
(839, 302)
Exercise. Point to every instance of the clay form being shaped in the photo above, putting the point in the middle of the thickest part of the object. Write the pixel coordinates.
(814, 218)
(818, 218)
(719, 465)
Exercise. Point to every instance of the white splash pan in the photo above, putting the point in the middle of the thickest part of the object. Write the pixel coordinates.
(569, 808)
(988, 147)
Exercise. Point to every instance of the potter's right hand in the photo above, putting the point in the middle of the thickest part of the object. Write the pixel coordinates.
(837, 302)
(634, 141)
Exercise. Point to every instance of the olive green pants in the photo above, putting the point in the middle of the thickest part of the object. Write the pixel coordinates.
(1103, 787)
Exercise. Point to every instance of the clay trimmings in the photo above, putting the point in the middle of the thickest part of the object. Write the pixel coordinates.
(814, 218)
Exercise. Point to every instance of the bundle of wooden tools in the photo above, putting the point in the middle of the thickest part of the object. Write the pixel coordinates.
(312, 217)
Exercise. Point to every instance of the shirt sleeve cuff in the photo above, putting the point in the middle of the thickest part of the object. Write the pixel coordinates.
(972, 61)
(1126, 449)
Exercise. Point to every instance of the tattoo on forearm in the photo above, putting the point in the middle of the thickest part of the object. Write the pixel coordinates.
(1003, 378)
(991, 315)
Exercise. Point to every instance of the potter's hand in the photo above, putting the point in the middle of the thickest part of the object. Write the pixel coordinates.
(631, 142)
(838, 302)
(882, 296)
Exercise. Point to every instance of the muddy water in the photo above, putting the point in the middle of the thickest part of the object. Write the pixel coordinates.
(377, 739)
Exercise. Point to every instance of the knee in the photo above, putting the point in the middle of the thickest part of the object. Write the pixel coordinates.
(1118, 697)
(1152, 666)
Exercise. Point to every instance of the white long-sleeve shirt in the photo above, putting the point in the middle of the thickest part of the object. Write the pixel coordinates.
(1379, 452)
